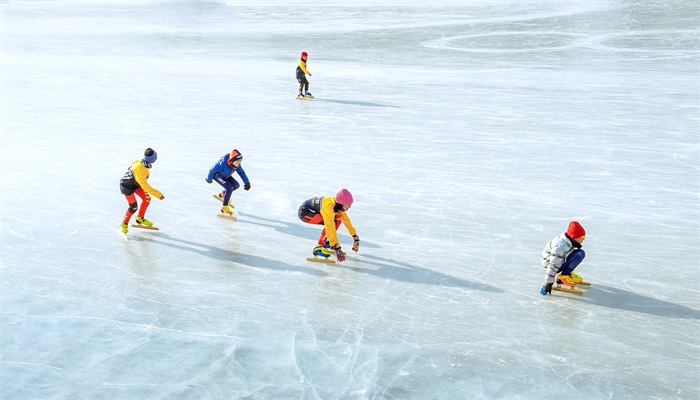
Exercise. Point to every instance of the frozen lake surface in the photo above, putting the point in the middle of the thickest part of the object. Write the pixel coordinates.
(470, 133)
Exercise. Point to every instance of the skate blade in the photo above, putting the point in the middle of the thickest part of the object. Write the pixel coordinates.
(216, 196)
(153, 228)
(301, 98)
(563, 289)
(321, 260)
(124, 236)
(226, 216)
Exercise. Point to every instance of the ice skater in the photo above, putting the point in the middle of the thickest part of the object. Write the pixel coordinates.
(222, 173)
(561, 256)
(135, 182)
(330, 211)
(301, 77)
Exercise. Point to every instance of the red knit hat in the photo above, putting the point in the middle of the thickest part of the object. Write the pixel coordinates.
(304, 54)
(575, 230)
(343, 197)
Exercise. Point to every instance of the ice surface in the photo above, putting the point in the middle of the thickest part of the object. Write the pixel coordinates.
(470, 133)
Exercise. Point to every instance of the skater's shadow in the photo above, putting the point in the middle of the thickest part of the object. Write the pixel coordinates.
(228, 255)
(354, 103)
(611, 297)
(405, 272)
(298, 229)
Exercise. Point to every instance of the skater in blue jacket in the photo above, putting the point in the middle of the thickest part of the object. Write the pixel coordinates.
(222, 173)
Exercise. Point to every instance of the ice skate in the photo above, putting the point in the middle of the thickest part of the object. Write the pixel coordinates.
(321, 251)
(308, 95)
(226, 213)
(143, 223)
(566, 281)
(575, 278)
(321, 254)
(301, 96)
(220, 197)
(579, 280)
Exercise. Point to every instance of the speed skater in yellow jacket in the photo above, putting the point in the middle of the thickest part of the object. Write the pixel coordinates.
(135, 182)
(330, 212)
(301, 73)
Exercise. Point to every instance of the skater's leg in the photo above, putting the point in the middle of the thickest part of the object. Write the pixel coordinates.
(229, 184)
(322, 239)
(133, 207)
(145, 201)
(572, 261)
(233, 184)
(301, 77)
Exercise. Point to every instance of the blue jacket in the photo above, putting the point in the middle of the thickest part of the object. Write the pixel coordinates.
(222, 169)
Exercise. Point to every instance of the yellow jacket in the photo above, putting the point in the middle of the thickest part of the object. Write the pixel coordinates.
(141, 174)
(327, 206)
(302, 66)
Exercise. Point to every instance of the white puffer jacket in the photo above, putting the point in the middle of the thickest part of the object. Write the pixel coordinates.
(554, 255)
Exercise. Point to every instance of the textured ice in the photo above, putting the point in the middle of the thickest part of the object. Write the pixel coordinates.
(470, 133)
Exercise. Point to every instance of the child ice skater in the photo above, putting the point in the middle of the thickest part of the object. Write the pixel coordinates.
(301, 77)
(561, 256)
(135, 182)
(222, 173)
(330, 212)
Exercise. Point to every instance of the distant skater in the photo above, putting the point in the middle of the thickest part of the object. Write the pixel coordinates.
(301, 77)
(330, 211)
(135, 182)
(222, 173)
(561, 256)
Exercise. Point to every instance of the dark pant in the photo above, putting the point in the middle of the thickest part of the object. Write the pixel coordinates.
(303, 82)
(229, 185)
(572, 261)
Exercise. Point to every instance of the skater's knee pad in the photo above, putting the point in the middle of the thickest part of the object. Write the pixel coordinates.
(133, 207)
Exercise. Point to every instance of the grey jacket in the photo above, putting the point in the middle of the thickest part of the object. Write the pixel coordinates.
(554, 254)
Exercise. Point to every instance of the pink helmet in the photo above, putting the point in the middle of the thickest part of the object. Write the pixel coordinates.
(343, 197)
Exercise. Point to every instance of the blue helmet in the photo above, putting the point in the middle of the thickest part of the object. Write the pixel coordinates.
(150, 156)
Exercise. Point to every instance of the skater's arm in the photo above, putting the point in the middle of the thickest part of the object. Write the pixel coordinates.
(141, 176)
(555, 261)
(243, 175)
(348, 224)
(329, 220)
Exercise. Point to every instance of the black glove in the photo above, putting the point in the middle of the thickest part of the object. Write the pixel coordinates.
(246, 186)
(207, 180)
(339, 254)
(547, 288)
(355, 243)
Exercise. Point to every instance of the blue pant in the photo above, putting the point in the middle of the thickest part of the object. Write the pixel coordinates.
(572, 261)
(229, 185)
